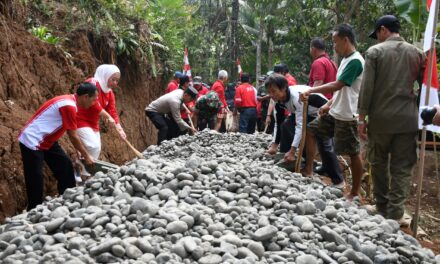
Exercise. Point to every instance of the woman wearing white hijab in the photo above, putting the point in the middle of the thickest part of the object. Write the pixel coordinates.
(106, 77)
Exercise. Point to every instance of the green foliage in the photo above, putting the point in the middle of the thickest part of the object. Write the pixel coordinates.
(45, 34)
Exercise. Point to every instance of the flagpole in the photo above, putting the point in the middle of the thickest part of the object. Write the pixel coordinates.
(421, 164)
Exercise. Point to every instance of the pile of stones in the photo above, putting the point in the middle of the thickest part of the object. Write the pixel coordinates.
(208, 198)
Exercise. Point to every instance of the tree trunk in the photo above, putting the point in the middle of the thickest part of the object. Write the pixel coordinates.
(270, 48)
(234, 41)
(259, 41)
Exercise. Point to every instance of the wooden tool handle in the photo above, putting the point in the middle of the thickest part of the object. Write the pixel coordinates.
(189, 116)
(138, 154)
(303, 137)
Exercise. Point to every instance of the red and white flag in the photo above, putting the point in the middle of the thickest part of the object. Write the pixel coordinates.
(433, 91)
(240, 71)
(186, 67)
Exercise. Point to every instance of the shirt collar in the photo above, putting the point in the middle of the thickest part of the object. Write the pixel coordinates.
(395, 38)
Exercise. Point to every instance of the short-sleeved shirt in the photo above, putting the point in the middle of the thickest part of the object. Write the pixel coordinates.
(49, 123)
(323, 69)
(245, 96)
(89, 117)
(345, 100)
(173, 85)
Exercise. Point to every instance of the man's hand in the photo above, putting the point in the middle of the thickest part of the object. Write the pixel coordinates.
(268, 120)
(290, 155)
(273, 149)
(88, 160)
(192, 131)
(120, 131)
(304, 96)
(324, 110)
(362, 129)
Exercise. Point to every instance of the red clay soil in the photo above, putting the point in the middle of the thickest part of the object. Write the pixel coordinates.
(32, 72)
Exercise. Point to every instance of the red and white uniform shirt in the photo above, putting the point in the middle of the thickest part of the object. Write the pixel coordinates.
(89, 117)
(173, 85)
(49, 123)
(245, 96)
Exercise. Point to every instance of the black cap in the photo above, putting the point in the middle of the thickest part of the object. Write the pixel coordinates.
(192, 92)
(388, 21)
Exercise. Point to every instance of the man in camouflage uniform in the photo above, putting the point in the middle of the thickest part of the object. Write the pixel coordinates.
(206, 110)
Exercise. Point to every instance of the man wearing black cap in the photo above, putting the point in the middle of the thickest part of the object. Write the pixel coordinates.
(388, 99)
(164, 112)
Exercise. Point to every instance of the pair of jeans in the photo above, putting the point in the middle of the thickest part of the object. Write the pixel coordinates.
(248, 120)
(58, 162)
(167, 127)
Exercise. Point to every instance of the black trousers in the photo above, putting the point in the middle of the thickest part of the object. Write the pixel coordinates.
(58, 162)
(166, 126)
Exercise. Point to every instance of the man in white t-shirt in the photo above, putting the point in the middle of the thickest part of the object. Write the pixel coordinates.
(38, 142)
(338, 118)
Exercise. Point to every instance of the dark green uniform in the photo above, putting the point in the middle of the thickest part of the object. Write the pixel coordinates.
(388, 99)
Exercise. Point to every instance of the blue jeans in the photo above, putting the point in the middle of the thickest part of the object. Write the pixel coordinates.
(248, 120)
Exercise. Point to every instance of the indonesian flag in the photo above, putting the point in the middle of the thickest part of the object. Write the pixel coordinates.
(240, 71)
(433, 93)
(186, 67)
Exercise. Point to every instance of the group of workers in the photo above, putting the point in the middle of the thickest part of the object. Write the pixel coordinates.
(370, 99)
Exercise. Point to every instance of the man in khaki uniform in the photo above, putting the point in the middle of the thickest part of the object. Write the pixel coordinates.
(388, 100)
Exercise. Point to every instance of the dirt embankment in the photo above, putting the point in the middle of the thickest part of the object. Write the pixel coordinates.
(32, 71)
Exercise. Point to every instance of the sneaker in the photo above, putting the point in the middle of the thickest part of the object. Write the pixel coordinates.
(340, 185)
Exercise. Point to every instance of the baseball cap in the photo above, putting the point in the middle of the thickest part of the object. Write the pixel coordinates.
(178, 74)
(388, 21)
(197, 80)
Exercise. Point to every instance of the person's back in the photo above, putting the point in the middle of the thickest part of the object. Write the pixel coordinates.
(397, 67)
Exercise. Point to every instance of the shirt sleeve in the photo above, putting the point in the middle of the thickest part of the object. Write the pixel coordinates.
(111, 107)
(351, 72)
(367, 85)
(68, 116)
(175, 112)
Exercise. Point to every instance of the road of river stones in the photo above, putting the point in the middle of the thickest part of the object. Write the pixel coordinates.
(209, 198)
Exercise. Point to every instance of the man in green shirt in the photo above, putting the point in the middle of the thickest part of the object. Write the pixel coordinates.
(388, 99)
(338, 118)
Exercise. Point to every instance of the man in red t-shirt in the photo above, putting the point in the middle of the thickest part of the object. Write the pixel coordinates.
(245, 101)
(323, 69)
(174, 83)
(38, 142)
(219, 88)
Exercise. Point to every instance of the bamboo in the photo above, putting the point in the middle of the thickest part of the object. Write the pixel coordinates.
(415, 222)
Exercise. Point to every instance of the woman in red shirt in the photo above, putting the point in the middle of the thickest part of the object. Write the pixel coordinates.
(106, 77)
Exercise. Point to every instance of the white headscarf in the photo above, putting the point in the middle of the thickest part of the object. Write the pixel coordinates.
(103, 73)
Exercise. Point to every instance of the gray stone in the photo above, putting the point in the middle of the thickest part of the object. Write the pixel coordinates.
(61, 211)
(210, 259)
(133, 252)
(331, 236)
(257, 248)
(118, 250)
(177, 227)
(306, 259)
(265, 233)
(144, 206)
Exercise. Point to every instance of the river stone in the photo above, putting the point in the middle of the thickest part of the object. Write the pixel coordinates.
(177, 227)
(210, 259)
(265, 233)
